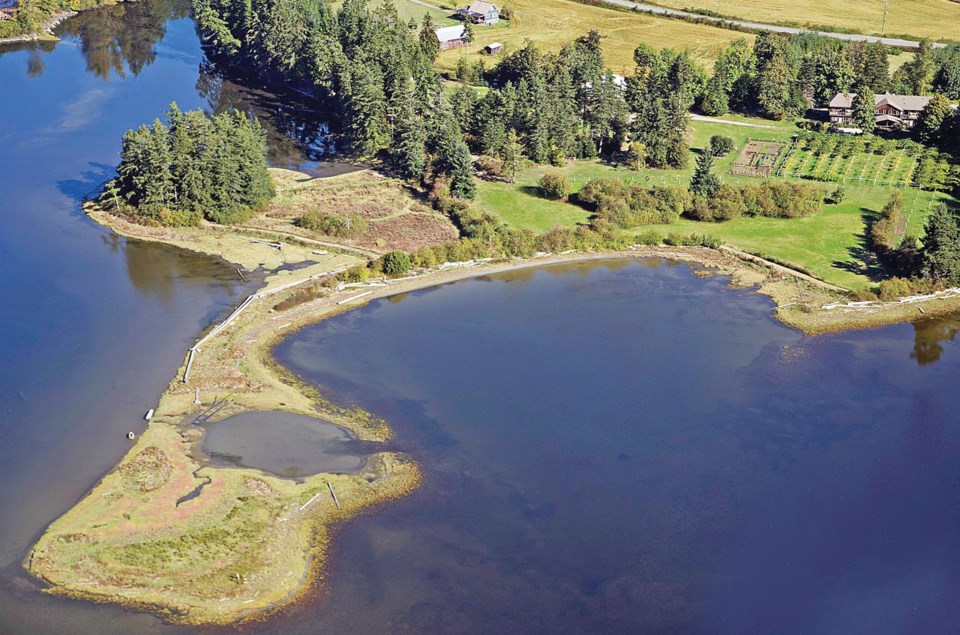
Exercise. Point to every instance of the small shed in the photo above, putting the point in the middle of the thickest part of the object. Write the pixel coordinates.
(493, 48)
(480, 13)
(451, 37)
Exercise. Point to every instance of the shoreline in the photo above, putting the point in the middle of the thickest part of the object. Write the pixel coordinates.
(802, 302)
(125, 541)
(46, 29)
(45, 32)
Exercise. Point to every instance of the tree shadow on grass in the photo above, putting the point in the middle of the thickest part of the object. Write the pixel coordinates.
(532, 190)
(862, 259)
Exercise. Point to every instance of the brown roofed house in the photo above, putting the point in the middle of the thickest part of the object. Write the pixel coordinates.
(893, 112)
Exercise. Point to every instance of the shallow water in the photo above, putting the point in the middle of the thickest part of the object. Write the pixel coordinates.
(284, 444)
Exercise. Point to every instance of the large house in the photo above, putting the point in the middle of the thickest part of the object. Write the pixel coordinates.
(451, 37)
(480, 13)
(892, 112)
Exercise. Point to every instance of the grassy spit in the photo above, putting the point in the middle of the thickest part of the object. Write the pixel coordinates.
(244, 543)
(240, 543)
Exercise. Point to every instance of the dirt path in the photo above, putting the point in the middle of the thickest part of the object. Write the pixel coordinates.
(730, 123)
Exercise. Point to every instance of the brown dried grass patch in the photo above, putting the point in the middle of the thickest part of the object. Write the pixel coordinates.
(409, 232)
(148, 470)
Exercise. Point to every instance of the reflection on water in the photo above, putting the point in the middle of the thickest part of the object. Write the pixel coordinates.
(298, 135)
(930, 335)
(122, 38)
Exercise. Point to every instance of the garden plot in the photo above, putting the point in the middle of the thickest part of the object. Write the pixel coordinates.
(757, 158)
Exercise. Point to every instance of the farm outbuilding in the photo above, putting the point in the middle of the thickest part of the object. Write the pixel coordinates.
(493, 48)
(451, 37)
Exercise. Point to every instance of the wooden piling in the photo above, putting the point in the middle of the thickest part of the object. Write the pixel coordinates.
(305, 505)
(186, 373)
(334, 494)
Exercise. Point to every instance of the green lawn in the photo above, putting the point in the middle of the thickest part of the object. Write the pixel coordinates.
(829, 244)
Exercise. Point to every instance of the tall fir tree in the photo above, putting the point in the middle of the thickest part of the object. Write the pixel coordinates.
(410, 137)
(462, 184)
(704, 182)
(941, 247)
(511, 153)
(429, 44)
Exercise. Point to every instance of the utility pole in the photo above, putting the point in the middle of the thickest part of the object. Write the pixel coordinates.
(883, 26)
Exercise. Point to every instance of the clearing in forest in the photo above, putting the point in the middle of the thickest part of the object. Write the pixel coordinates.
(552, 23)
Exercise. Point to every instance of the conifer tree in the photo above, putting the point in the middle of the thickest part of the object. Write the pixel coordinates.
(409, 147)
(429, 43)
(511, 154)
(704, 182)
(368, 126)
(920, 70)
(194, 165)
(941, 247)
(461, 172)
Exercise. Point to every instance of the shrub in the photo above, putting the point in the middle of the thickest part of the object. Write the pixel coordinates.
(332, 225)
(555, 186)
(556, 240)
(728, 203)
(358, 273)
(489, 168)
(721, 145)
(894, 289)
(424, 257)
(837, 196)
(864, 295)
(395, 263)
(649, 237)
(179, 218)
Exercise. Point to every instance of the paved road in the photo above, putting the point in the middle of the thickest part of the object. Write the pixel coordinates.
(852, 37)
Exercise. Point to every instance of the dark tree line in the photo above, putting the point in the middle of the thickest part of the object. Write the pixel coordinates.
(192, 167)
(375, 72)
(783, 75)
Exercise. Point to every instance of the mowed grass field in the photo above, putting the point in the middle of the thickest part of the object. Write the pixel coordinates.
(934, 19)
(829, 244)
(552, 23)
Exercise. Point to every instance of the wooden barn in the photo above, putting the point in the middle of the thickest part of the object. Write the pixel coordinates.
(451, 37)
